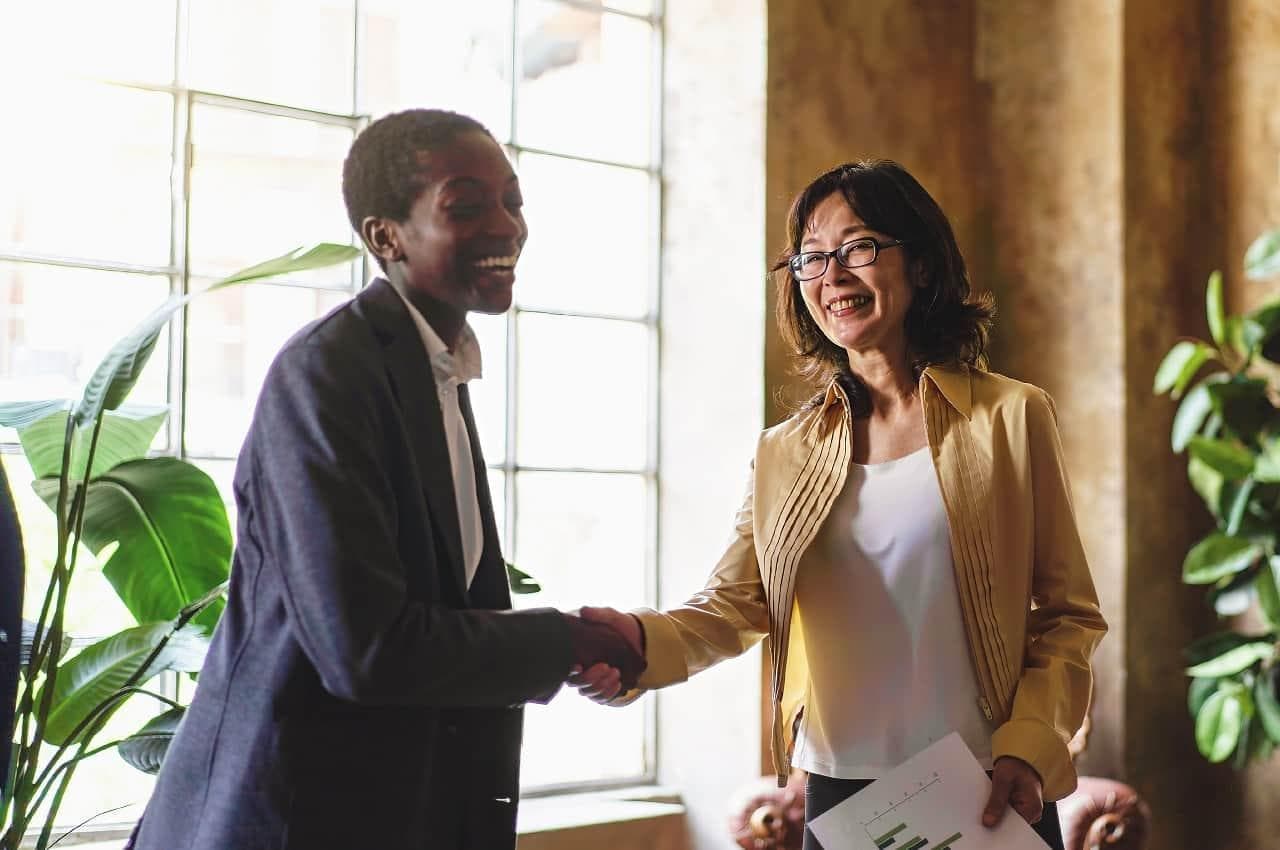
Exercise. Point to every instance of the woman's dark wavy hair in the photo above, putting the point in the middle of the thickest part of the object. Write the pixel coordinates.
(946, 323)
(383, 174)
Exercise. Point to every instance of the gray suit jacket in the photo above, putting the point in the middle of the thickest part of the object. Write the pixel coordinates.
(351, 650)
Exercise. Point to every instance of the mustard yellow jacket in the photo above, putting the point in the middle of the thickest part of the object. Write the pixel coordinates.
(1028, 601)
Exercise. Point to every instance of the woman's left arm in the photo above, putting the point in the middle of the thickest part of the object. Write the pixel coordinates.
(1064, 626)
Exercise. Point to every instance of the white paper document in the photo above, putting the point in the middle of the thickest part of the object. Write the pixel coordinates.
(932, 801)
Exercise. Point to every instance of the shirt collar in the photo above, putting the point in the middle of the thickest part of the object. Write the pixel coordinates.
(460, 365)
(951, 381)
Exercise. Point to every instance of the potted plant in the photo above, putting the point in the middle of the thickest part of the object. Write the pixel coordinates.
(162, 527)
(1228, 423)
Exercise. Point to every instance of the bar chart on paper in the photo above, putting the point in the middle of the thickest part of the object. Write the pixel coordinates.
(932, 801)
(888, 832)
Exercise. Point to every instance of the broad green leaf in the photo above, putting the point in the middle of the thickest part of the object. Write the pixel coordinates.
(1264, 697)
(173, 534)
(1239, 502)
(1218, 725)
(1198, 692)
(317, 256)
(126, 434)
(1212, 645)
(100, 670)
(1234, 661)
(1244, 406)
(1267, 583)
(1219, 555)
(1231, 459)
(520, 581)
(1232, 599)
(1208, 482)
(20, 414)
(1213, 308)
(1262, 259)
(1267, 468)
(1179, 367)
(1193, 410)
(145, 749)
(119, 370)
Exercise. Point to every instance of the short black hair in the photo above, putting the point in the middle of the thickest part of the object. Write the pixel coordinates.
(946, 323)
(382, 175)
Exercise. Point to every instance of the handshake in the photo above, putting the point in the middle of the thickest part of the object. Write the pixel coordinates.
(608, 652)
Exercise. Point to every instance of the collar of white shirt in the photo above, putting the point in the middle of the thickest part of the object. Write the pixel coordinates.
(449, 367)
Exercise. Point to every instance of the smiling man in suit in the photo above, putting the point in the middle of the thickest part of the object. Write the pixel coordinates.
(363, 686)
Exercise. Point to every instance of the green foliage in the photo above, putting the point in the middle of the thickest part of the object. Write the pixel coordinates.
(166, 527)
(1228, 423)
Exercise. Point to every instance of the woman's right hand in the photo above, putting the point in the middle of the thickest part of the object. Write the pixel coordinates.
(601, 683)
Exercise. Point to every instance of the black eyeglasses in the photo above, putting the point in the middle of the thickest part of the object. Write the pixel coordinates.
(853, 254)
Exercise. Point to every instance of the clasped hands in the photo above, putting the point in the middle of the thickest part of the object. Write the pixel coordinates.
(608, 652)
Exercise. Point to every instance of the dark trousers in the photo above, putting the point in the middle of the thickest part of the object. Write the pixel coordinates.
(823, 792)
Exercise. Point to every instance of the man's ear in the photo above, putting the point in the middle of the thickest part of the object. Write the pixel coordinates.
(382, 237)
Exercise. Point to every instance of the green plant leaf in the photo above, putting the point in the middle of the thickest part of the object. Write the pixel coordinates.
(1231, 459)
(1244, 406)
(126, 434)
(91, 677)
(1239, 502)
(123, 364)
(1191, 414)
(171, 526)
(1219, 555)
(1212, 645)
(1267, 467)
(1267, 583)
(1233, 598)
(1262, 259)
(1264, 697)
(1219, 723)
(1179, 367)
(1234, 661)
(520, 581)
(1213, 308)
(1198, 692)
(145, 749)
(20, 414)
(1208, 482)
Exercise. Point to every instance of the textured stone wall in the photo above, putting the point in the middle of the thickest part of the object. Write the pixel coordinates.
(1098, 159)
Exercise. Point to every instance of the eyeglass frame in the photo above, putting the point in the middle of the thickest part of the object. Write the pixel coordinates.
(829, 255)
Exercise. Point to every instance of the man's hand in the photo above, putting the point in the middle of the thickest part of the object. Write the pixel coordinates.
(600, 648)
(600, 682)
(1014, 783)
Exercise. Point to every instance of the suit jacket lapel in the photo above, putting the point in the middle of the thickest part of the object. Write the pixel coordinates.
(414, 385)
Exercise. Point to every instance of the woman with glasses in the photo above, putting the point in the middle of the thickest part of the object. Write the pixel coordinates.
(907, 537)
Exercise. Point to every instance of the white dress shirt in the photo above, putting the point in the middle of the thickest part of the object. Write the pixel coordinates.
(451, 369)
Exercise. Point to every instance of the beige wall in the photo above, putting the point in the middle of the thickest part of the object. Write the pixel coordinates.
(1098, 158)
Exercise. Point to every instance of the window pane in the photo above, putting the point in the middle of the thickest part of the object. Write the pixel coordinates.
(90, 176)
(293, 52)
(489, 394)
(232, 337)
(130, 40)
(56, 325)
(261, 185)
(583, 392)
(584, 82)
(639, 7)
(584, 538)
(581, 262)
(439, 53)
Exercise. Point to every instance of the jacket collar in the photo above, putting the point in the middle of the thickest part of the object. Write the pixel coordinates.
(953, 382)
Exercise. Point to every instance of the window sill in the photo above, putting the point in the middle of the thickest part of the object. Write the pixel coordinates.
(644, 818)
(650, 817)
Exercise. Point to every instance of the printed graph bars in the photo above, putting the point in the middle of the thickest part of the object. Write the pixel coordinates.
(916, 842)
(888, 838)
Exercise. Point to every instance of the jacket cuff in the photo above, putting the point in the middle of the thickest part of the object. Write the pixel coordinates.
(664, 651)
(1041, 747)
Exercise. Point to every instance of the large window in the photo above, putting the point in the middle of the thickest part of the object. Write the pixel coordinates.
(165, 142)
